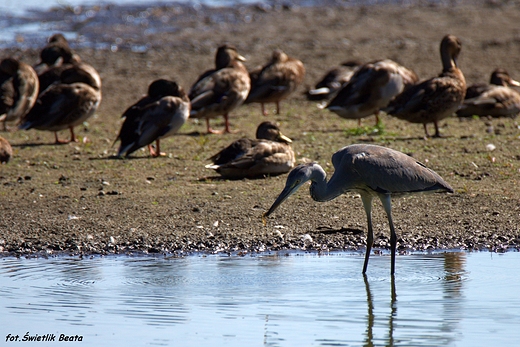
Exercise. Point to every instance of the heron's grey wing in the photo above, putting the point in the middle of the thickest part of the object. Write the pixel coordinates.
(389, 171)
(386, 171)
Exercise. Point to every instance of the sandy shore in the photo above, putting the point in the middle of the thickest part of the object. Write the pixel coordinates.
(75, 199)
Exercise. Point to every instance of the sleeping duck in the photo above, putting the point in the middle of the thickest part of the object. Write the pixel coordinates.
(496, 99)
(18, 90)
(66, 104)
(269, 154)
(157, 115)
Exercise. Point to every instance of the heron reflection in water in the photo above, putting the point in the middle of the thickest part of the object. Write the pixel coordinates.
(372, 171)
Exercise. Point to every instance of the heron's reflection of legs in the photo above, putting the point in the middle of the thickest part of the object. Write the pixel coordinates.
(370, 315)
(393, 312)
(369, 341)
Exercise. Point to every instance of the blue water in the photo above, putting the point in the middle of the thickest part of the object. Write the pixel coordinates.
(132, 24)
(444, 299)
(97, 24)
(18, 7)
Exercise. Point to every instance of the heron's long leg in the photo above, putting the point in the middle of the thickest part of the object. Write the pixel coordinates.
(367, 204)
(387, 204)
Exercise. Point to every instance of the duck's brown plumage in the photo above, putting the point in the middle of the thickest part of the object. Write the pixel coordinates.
(332, 81)
(371, 88)
(218, 92)
(18, 90)
(66, 104)
(159, 114)
(437, 98)
(496, 99)
(269, 154)
(276, 80)
(6, 151)
(55, 58)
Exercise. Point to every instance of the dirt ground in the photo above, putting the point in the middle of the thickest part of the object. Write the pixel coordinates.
(77, 199)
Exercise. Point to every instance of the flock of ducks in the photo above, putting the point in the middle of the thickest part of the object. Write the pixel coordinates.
(61, 92)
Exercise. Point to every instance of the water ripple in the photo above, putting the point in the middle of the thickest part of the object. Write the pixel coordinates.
(435, 299)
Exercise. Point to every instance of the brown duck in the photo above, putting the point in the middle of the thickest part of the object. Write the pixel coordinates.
(437, 98)
(18, 90)
(55, 58)
(269, 154)
(332, 81)
(496, 99)
(158, 115)
(276, 80)
(6, 151)
(371, 88)
(218, 92)
(66, 104)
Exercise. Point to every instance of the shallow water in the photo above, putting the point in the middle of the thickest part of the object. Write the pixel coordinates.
(448, 299)
(133, 24)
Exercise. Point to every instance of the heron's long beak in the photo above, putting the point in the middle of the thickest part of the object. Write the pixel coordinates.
(514, 83)
(287, 192)
(241, 58)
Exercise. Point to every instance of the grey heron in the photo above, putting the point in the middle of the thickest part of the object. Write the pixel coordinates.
(372, 171)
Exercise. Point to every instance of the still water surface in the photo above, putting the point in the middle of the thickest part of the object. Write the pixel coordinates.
(443, 299)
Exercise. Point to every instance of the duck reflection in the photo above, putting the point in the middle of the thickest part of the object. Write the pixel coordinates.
(452, 286)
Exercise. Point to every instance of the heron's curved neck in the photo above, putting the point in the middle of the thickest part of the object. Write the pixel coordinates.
(320, 189)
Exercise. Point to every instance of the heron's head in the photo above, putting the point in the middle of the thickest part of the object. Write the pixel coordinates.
(296, 178)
